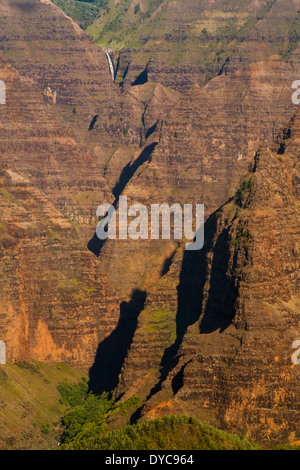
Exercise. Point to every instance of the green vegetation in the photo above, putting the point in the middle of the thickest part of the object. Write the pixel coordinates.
(242, 191)
(242, 235)
(124, 407)
(87, 427)
(212, 42)
(294, 34)
(6, 194)
(121, 21)
(286, 447)
(86, 419)
(91, 413)
(84, 12)
(45, 429)
(53, 235)
(38, 398)
(30, 404)
(72, 393)
(169, 433)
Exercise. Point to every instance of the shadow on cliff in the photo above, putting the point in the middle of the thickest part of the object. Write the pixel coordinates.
(130, 169)
(213, 309)
(111, 352)
(95, 245)
(190, 297)
(219, 308)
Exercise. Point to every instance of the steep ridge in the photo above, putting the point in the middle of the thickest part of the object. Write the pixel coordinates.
(237, 311)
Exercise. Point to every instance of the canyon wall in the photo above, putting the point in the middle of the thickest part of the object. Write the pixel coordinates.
(228, 359)
(206, 333)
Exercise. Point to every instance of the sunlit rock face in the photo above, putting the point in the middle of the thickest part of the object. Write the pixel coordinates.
(200, 95)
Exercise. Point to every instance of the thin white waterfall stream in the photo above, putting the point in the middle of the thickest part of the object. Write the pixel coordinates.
(111, 65)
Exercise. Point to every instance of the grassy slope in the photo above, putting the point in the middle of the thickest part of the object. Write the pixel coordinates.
(208, 39)
(30, 411)
(157, 20)
(122, 24)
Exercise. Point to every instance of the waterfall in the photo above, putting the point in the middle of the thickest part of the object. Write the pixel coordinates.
(111, 65)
